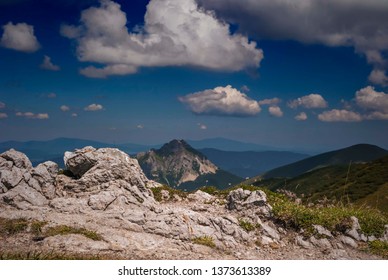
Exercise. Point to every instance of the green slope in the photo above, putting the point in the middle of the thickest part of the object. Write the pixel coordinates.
(356, 153)
(359, 183)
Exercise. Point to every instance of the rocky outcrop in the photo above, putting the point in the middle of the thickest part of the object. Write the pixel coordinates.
(104, 190)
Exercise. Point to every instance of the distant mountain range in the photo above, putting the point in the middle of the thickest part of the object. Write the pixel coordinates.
(250, 163)
(178, 165)
(357, 153)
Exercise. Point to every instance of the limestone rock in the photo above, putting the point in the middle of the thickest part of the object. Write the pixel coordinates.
(201, 197)
(322, 231)
(354, 231)
(244, 199)
(348, 241)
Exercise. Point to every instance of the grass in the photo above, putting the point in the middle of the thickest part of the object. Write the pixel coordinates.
(64, 229)
(378, 247)
(12, 226)
(247, 226)
(204, 240)
(171, 191)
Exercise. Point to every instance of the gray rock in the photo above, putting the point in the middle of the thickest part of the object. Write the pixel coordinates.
(347, 241)
(384, 238)
(45, 174)
(303, 243)
(18, 159)
(354, 231)
(322, 243)
(243, 199)
(201, 197)
(322, 231)
(270, 231)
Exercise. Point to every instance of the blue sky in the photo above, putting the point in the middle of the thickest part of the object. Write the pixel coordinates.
(300, 75)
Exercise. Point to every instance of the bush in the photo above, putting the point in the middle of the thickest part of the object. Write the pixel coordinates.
(205, 240)
(12, 226)
(63, 230)
(157, 192)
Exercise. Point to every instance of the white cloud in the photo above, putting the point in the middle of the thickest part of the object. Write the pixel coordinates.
(374, 102)
(94, 107)
(29, 115)
(74, 115)
(202, 126)
(245, 88)
(224, 101)
(309, 101)
(340, 116)
(175, 33)
(275, 111)
(357, 23)
(19, 37)
(302, 116)
(48, 65)
(272, 101)
(378, 76)
(3, 116)
(116, 69)
(140, 126)
(2, 105)
(65, 108)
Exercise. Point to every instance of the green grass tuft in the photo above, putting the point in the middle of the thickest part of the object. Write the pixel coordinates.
(63, 230)
(204, 240)
(247, 226)
(12, 226)
(157, 192)
(378, 247)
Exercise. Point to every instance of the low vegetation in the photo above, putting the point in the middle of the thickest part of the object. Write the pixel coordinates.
(246, 225)
(378, 247)
(64, 229)
(158, 193)
(12, 226)
(204, 240)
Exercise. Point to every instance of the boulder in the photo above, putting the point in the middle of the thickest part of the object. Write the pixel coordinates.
(256, 201)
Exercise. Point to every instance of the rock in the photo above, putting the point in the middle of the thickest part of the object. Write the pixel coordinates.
(354, 231)
(322, 243)
(322, 231)
(384, 238)
(265, 240)
(244, 199)
(46, 173)
(348, 241)
(17, 159)
(201, 197)
(270, 231)
(303, 243)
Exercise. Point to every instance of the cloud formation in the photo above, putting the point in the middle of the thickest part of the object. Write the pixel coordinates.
(271, 101)
(309, 101)
(29, 115)
(3, 116)
(2, 105)
(19, 37)
(222, 101)
(64, 108)
(94, 107)
(336, 115)
(194, 38)
(302, 116)
(373, 102)
(357, 23)
(48, 65)
(275, 111)
(202, 126)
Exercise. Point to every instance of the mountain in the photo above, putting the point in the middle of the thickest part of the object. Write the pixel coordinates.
(359, 183)
(248, 164)
(354, 154)
(227, 145)
(40, 151)
(179, 165)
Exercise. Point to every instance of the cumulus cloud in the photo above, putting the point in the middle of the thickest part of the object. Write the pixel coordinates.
(275, 111)
(48, 65)
(373, 102)
(94, 107)
(19, 37)
(175, 33)
(223, 101)
(29, 115)
(302, 116)
(64, 108)
(271, 101)
(309, 101)
(74, 115)
(357, 23)
(3, 116)
(140, 126)
(336, 115)
(378, 76)
(2, 105)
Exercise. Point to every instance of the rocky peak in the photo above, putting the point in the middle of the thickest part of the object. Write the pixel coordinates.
(175, 163)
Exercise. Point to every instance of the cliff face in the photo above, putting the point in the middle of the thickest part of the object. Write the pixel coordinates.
(175, 163)
(103, 205)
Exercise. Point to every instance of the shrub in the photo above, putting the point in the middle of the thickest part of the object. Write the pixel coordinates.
(157, 192)
(247, 226)
(12, 226)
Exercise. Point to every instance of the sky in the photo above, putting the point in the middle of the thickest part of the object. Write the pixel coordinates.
(299, 74)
